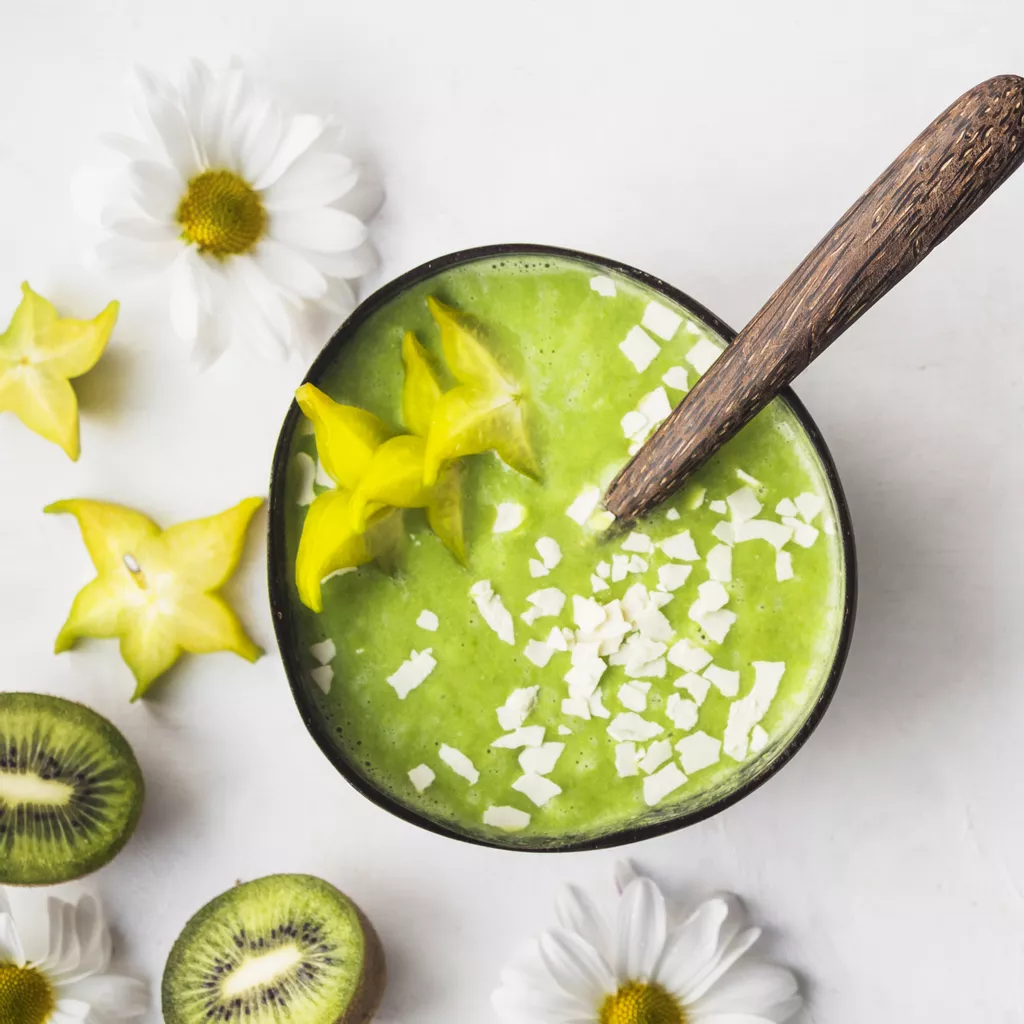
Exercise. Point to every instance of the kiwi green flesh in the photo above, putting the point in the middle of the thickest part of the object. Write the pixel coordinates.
(70, 790)
(281, 948)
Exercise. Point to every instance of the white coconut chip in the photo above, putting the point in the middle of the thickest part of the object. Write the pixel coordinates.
(702, 355)
(717, 624)
(427, 620)
(632, 697)
(659, 597)
(743, 504)
(537, 788)
(680, 547)
(638, 542)
(543, 604)
(657, 754)
(655, 406)
(538, 652)
(412, 672)
(323, 676)
(747, 712)
(459, 763)
(517, 707)
(637, 564)
(681, 712)
(786, 508)
(809, 505)
(697, 687)
(493, 611)
(712, 595)
(698, 751)
(306, 469)
(672, 515)
(653, 625)
(549, 551)
(719, 563)
(597, 584)
(630, 726)
(634, 425)
(661, 320)
(323, 478)
(324, 651)
(726, 680)
(677, 378)
(718, 506)
(604, 570)
(584, 505)
(724, 532)
(689, 656)
(639, 348)
(577, 707)
(777, 534)
(564, 730)
(541, 760)
(508, 819)
(527, 736)
(587, 613)
(758, 739)
(803, 533)
(783, 566)
(620, 568)
(537, 568)
(603, 285)
(625, 759)
(597, 708)
(662, 783)
(509, 516)
(556, 640)
(421, 777)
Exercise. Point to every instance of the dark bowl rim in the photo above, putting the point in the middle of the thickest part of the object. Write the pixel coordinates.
(277, 570)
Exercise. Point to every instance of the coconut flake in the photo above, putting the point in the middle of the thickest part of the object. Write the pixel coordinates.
(659, 598)
(636, 564)
(634, 425)
(543, 604)
(747, 712)
(809, 505)
(527, 736)
(412, 672)
(680, 547)
(681, 712)
(717, 624)
(556, 640)
(324, 651)
(655, 406)
(564, 730)
(758, 739)
(657, 754)
(620, 568)
(493, 611)
(638, 542)
(719, 507)
(537, 568)
(306, 468)
(727, 681)
(549, 551)
(744, 504)
(672, 515)
(783, 566)
(538, 652)
(427, 620)
(539, 789)
(625, 759)
(509, 516)
(698, 751)
(786, 508)
(584, 505)
(541, 760)
(421, 777)
(702, 355)
(654, 625)
(672, 576)
(603, 285)
(719, 563)
(628, 725)
(604, 570)
(578, 707)
(508, 819)
(323, 676)
(661, 320)
(597, 708)
(777, 534)
(662, 783)
(697, 686)
(323, 478)
(459, 763)
(597, 584)
(712, 595)
(517, 707)
(677, 378)
(587, 613)
(724, 532)
(689, 656)
(584, 677)
(632, 697)
(639, 348)
(803, 533)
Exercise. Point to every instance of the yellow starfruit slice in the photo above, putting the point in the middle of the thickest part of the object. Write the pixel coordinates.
(466, 355)
(157, 590)
(444, 511)
(346, 436)
(420, 391)
(40, 353)
(328, 543)
(394, 477)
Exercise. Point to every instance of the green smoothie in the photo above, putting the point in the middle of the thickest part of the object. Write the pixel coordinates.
(646, 676)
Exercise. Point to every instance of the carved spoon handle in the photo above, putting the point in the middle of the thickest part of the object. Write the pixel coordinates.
(938, 181)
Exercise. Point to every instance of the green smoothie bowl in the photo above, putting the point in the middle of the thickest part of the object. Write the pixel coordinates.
(466, 641)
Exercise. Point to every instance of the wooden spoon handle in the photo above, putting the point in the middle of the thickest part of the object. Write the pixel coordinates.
(938, 181)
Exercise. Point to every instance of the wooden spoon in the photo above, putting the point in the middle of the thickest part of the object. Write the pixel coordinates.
(938, 181)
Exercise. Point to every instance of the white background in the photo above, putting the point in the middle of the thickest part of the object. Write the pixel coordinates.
(713, 145)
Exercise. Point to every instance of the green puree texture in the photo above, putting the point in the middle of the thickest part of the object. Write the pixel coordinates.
(560, 339)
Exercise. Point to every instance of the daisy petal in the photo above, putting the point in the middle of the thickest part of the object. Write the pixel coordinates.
(184, 296)
(340, 298)
(640, 931)
(352, 264)
(241, 314)
(94, 937)
(576, 966)
(194, 87)
(157, 189)
(212, 342)
(315, 179)
(111, 996)
(71, 1010)
(142, 229)
(10, 942)
(692, 947)
(133, 258)
(323, 230)
(624, 874)
(577, 913)
(126, 146)
(522, 997)
(65, 954)
(261, 139)
(752, 987)
(289, 271)
(226, 97)
(729, 955)
(172, 128)
(267, 302)
(300, 133)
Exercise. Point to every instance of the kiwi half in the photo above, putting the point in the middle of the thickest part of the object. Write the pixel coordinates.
(281, 948)
(70, 790)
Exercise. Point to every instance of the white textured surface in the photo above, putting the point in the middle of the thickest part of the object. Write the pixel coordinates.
(891, 872)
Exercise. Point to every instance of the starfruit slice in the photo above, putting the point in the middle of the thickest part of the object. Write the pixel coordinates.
(328, 543)
(420, 391)
(346, 436)
(394, 477)
(156, 590)
(464, 352)
(444, 511)
(39, 354)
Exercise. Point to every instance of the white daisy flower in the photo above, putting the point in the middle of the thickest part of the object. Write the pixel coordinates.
(240, 203)
(643, 969)
(65, 979)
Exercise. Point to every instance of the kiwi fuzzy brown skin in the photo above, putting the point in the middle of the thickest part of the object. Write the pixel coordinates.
(367, 998)
(124, 774)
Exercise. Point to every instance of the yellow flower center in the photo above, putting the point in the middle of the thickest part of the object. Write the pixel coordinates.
(641, 1002)
(221, 214)
(26, 997)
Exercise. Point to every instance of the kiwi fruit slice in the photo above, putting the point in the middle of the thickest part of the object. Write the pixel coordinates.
(281, 948)
(70, 790)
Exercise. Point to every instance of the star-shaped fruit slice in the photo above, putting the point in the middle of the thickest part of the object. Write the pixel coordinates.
(157, 590)
(40, 353)
(484, 412)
